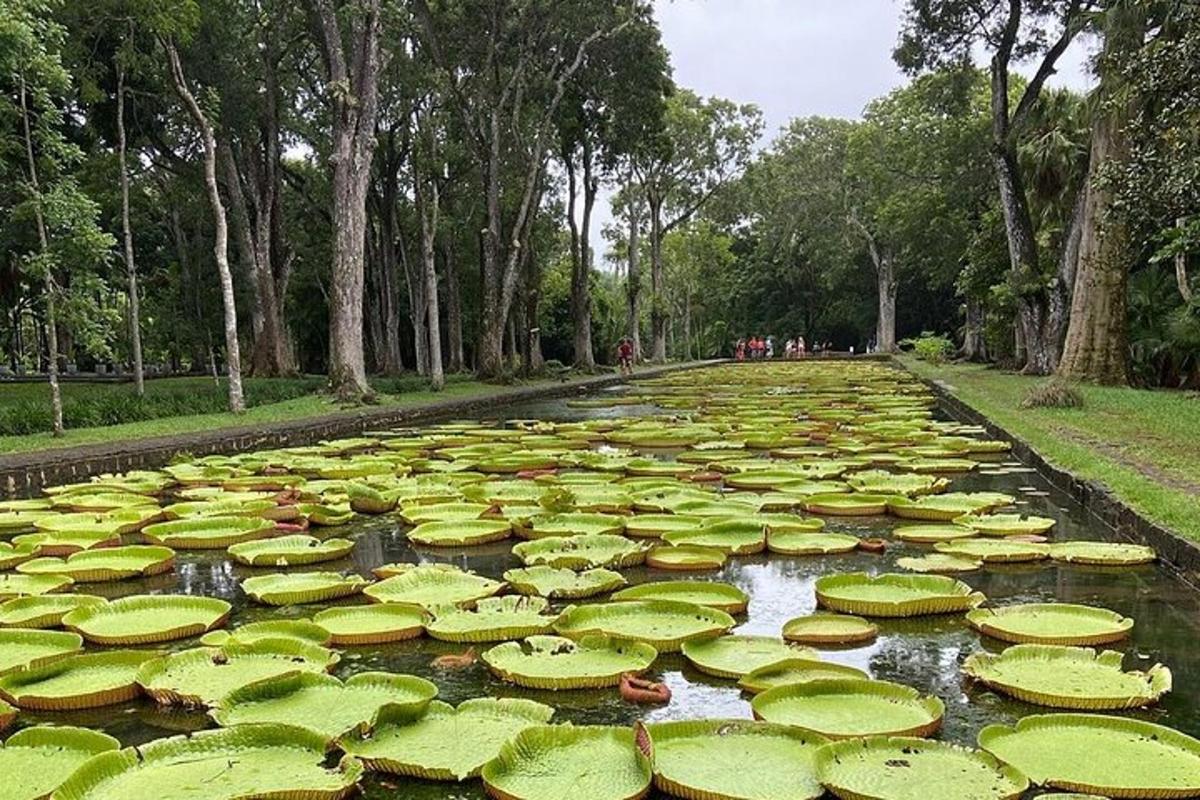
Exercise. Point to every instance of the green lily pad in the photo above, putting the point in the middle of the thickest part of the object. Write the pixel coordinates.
(36, 761)
(665, 624)
(733, 537)
(686, 558)
(724, 596)
(13, 555)
(283, 589)
(460, 533)
(1107, 554)
(1006, 524)
(1051, 623)
(932, 534)
(209, 533)
(653, 526)
(995, 550)
(32, 585)
(1068, 677)
(571, 524)
(288, 551)
(548, 762)
(893, 595)
(77, 682)
(247, 761)
(1103, 755)
(494, 619)
(556, 583)
(582, 552)
(709, 759)
(148, 619)
(421, 513)
(822, 628)
(940, 563)
(848, 708)
(23, 649)
(553, 662)
(794, 543)
(301, 630)
(203, 675)
(735, 656)
(45, 611)
(847, 505)
(374, 624)
(327, 514)
(447, 744)
(64, 543)
(105, 564)
(429, 585)
(795, 670)
(947, 507)
(22, 519)
(880, 768)
(887, 483)
(323, 704)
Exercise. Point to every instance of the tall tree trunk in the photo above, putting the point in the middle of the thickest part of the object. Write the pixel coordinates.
(56, 411)
(633, 276)
(353, 66)
(454, 330)
(581, 300)
(389, 247)
(135, 317)
(1097, 341)
(885, 328)
(658, 297)
(425, 191)
(233, 359)
(974, 343)
(1181, 274)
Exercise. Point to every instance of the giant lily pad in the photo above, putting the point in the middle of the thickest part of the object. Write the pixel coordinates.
(1006, 524)
(421, 513)
(846, 708)
(995, 550)
(77, 682)
(1051, 623)
(281, 589)
(735, 656)
(31, 585)
(892, 595)
(1108, 554)
(106, 564)
(64, 543)
(203, 675)
(822, 628)
(582, 552)
(552, 662)
(374, 624)
(247, 761)
(323, 704)
(494, 619)
(208, 533)
(147, 619)
(1102, 755)
(1068, 677)
(734, 760)
(946, 507)
(724, 596)
(301, 630)
(460, 533)
(287, 551)
(447, 744)
(430, 585)
(652, 526)
(734, 537)
(21, 649)
(881, 768)
(932, 534)
(888, 483)
(571, 524)
(556, 583)
(13, 555)
(795, 670)
(940, 563)
(45, 611)
(36, 761)
(548, 762)
(847, 505)
(665, 624)
(686, 558)
(795, 543)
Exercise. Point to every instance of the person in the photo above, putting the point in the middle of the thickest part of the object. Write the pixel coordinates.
(769, 348)
(625, 356)
(740, 350)
(789, 349)
(800, 348)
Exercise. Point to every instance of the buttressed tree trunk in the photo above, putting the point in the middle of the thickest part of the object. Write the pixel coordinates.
(353, 69)
(135, 317)
(233, 358)
(1097, 342)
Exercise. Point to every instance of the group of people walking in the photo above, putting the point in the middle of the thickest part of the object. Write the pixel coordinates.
(760, 347)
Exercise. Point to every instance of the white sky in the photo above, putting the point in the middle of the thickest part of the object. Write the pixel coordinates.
(793, 58)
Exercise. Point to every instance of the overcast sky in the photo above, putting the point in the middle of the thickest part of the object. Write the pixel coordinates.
(793, 58)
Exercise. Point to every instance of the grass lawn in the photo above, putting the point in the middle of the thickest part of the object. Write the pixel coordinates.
(1145, 445)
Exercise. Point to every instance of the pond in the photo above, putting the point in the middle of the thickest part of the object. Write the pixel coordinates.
(922, 652)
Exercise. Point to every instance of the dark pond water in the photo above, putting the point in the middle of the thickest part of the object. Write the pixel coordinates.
(924, 653)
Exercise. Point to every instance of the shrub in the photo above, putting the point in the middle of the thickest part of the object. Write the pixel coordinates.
(932, 348)
(1054, 393)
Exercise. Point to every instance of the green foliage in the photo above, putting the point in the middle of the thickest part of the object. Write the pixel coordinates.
(1054, 393)
(931, 347)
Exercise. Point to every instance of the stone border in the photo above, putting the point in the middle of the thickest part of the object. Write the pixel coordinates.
(1181, 555)
(23, 474)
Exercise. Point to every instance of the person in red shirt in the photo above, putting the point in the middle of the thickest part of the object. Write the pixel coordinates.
(625, 356)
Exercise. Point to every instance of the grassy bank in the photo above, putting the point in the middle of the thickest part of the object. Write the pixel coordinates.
(1144, 445)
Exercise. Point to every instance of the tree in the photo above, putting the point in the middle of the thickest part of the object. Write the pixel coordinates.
(352, 63)
(946, 32)
(704, 145)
